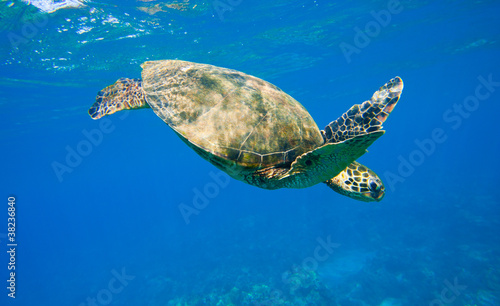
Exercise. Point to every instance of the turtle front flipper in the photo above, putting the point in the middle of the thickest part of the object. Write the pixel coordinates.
(366, 117)
(123, 94)
(345, 140)
(358, 182)
(327, 161)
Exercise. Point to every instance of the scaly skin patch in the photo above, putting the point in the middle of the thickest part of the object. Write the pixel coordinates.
(123, 94)
(366, 117)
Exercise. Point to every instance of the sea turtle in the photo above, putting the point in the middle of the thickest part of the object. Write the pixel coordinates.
(254, 131)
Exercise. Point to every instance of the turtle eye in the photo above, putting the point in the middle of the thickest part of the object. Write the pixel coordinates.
(374, 186)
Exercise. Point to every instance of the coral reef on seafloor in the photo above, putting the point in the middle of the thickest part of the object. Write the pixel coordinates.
(297, 287)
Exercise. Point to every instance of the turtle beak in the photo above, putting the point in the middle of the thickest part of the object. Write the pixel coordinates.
(371, 196)
(377, 190)
(376, 194)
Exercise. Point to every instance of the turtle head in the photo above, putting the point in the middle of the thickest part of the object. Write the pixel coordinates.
(358, 182)
(123, 94)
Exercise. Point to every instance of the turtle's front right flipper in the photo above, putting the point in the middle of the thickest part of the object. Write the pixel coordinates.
(367, 117)
(123, 94)
(345, 139)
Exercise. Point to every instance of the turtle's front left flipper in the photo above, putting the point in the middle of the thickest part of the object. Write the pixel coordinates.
(123, 94)
(358, 182)
(367, 117)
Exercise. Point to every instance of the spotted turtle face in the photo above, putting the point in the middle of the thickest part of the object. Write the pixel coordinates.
(377, 189)
(358, 182)
(367, 187)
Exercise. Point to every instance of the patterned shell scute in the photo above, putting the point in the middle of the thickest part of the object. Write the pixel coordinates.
(230, 114)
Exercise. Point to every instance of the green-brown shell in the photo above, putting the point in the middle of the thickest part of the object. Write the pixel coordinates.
(229, 115)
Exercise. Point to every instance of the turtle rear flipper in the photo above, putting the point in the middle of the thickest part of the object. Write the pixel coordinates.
(366, 117)
(123, 94)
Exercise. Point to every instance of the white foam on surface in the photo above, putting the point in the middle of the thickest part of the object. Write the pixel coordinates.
(50, 6)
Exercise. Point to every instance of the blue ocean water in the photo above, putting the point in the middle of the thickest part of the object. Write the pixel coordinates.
(97, 203)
